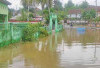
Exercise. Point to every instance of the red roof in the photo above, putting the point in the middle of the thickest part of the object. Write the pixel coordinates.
(94, 7)
(75, 11)
(79, 11)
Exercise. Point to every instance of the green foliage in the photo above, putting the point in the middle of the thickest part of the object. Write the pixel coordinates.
(58, 5)
(31, 15)
(43, 32)
(10, 13)
(97, 19)
(61, 15)
(2, 18)
(87, 15)
(30, 31)
(69, 5)
(84, 5)
(24, 16)
(46, 14)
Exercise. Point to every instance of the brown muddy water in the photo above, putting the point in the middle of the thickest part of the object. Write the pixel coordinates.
(67, 49)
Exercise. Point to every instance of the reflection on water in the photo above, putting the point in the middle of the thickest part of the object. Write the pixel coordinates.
(67, 49)
(81, 30)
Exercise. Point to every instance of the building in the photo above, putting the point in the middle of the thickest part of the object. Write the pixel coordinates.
(74, 13)
(96, 8)
(4, 11)
(77, 13)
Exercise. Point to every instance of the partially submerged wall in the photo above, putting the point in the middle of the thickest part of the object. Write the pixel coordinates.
(11, 35)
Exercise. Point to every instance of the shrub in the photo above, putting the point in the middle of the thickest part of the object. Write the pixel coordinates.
(31, 30)
(43, 32)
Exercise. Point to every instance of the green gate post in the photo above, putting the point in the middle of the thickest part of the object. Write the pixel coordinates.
(6, 21)
(53, 16)
(56, 25)
(50, 27)
(11, 31)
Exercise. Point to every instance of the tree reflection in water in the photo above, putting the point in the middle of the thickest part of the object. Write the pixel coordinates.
(59, 50)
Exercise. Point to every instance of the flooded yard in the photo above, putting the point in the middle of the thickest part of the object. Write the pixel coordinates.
(67, 49)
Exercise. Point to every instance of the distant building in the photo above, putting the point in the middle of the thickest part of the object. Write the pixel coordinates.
(77, 13)
(74, 13)
(96, 8)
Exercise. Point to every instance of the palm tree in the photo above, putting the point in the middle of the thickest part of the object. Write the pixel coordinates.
(34, 3)
(47, 3)
(28, 3)
(43, 3)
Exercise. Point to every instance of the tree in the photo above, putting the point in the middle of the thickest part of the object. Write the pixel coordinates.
(49, 3)
(30, 3)
(34, 3)
(43, 3)
(84, 5)
(46, 14)
(88, 15)
(77, 6)
(10, 13)
(58, 5)
(69, 5)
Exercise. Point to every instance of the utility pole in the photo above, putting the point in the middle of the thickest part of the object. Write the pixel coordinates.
(48, 6)
(96, 9)
(96, 2)
(28, 12)
(95, 34)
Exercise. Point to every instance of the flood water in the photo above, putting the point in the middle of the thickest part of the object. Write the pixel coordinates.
(67, 49)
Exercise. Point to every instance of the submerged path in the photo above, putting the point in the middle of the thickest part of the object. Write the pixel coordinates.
(67, 49)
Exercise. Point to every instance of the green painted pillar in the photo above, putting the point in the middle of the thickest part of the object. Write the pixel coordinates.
(6, 21)
(50, 25)
(11, 28)
(56, 25)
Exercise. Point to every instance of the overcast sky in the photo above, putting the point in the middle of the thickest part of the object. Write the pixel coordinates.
(16, 4)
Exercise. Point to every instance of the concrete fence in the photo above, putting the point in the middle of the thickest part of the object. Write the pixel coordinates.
(11, 34)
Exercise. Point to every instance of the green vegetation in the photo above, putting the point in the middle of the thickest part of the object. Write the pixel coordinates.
(89, 15)
(10, 13)
(47, 7)
(58, 5)
(70, 5)
(33, 31)
(24, 16)
(84, 5)
(43, 32)
(97, 19)
(2, 18)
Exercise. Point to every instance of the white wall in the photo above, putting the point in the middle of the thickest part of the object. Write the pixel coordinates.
(74, 16)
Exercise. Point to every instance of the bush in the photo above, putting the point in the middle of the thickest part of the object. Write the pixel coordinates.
(97, 19)
(43, 32)
(30, 31)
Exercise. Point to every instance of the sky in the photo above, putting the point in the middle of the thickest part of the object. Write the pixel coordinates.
(16, 4)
